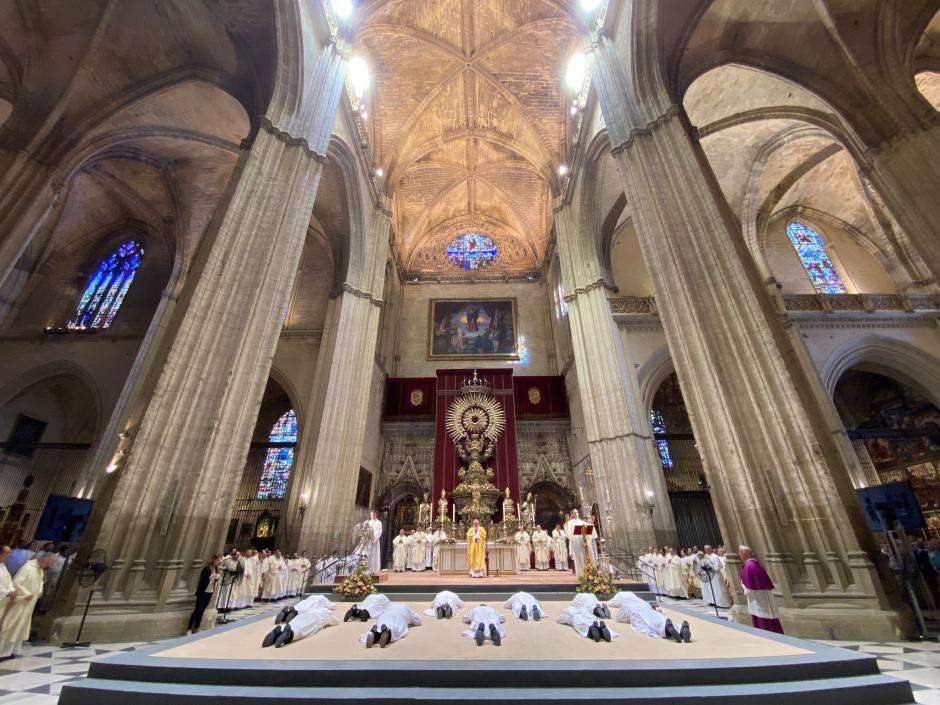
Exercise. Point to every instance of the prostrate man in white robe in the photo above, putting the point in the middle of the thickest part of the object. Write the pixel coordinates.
(560, 548)
(647, 619)
(28, 586)
(374, 565)
(541, 546)
(418, 550)
(523, 547)
(399, 552)
(445, 605)
(673, 578)
(438, 539)
(391, 625)
(7, 594)
(304, 619)
(584, 615)
(524, 605)
(707, 567)
(485, 623)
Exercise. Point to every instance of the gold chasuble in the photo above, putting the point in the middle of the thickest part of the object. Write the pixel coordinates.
(476, 549)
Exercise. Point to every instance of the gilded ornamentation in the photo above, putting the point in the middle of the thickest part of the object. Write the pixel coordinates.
(417, 397)
(535, 396)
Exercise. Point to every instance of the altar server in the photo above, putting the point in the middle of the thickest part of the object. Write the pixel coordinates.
(28, 585)
(560, 548)
(399, 551)
(445, 605)
(438, 539)
(374, 565)
(524, 606)
(541, 546)
(476, 550)
(485, 623)
(391, 625)
(759, 591)
(418, 550)
(673, 578)
(707, 567)
(523, 548)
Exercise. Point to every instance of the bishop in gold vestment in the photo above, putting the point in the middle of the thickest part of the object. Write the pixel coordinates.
(476, 550)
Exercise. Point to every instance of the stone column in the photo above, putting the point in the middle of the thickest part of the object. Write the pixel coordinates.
(780, 482)
(328, 479)
(617, 432)
(172, 501)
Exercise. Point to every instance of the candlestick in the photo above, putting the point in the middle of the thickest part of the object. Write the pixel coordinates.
(454, 514)
(581, 492)
(519, 511)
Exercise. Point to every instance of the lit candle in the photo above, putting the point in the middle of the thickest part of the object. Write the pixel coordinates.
(581, 492)
(454, 514)
(518, 510)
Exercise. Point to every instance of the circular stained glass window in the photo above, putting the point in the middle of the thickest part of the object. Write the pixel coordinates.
(472, 251)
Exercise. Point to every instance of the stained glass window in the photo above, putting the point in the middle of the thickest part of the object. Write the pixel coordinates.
(811, 250)
(107, 288)
(472, 251)
(278, 461)
(659, 426)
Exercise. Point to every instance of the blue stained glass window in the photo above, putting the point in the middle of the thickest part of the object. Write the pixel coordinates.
(811, 250)
(278, 461)
(107, 288)
(472, 251)
(659, 426)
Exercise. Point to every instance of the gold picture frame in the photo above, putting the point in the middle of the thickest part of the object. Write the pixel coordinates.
(473, 329)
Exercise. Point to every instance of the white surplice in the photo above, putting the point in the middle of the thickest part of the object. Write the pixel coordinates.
(397, 617)
(485, 615)
(523, 599)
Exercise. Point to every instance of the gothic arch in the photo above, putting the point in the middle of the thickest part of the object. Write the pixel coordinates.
(893, 358)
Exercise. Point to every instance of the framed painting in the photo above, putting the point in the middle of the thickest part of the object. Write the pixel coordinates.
(465, 329)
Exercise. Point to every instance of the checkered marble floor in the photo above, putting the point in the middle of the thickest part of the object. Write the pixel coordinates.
(38, 675)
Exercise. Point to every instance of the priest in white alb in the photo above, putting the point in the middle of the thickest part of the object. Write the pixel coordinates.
(560, 548)
(523, 548)
(541, 547)
(28, 586)
(576, 542)
(374, 565)
(7, 593)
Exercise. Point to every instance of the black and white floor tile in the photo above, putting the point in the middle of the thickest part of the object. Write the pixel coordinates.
(38, 675)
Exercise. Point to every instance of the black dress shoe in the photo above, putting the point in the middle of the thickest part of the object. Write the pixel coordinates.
(604, 632)
(440, 612)
(594, 632)
(606, 611)
(271, 637)
(598, 612)
(290, 615)
(385, 636)
(351, 613)
(480, 635)
(671, 632)
(448, 612)
(536, 615)
(685, 632)
(371, 638)
(364, 615)
(285, 638)
(494, 635)
(523, 615)
(281, 616)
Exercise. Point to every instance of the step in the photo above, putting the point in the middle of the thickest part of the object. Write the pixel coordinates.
(859, 690)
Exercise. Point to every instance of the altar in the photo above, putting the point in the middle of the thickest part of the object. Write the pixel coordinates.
(501, 558)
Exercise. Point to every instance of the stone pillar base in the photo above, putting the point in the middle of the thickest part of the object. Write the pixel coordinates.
(834, 622)
(115, 628)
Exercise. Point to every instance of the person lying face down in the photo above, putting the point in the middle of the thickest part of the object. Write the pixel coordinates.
(390, 626)
(585, 615)
(445, 605)
(647, 618)
(524, 606)
(485, 623)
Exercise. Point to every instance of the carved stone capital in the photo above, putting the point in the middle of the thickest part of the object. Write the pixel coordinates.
(265, 124)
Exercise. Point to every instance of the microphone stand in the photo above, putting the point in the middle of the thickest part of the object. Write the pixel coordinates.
(708, 571)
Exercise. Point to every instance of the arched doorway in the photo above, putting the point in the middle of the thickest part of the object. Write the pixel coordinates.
(552, 501)
(895, 429)
(689, 493)
(46, 428)
(401, 512)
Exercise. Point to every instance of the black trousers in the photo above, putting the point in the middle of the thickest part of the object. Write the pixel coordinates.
(202, 601)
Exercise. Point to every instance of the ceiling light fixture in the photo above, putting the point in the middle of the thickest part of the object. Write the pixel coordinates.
(359, 75)
(343, 8)
(379, 172)
(562, 169)
(577, 67)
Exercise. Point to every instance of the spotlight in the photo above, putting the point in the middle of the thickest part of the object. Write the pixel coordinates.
(359, 75)
(379, 172)
(111, 468)
(577, 67)
(562, 169)
(343, 8)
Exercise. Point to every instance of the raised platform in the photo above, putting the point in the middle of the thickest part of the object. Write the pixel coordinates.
(538, 662)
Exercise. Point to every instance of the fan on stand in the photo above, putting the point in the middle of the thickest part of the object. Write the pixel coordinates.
(94, 568)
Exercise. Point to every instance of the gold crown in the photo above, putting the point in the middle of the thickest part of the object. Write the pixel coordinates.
(476, 385)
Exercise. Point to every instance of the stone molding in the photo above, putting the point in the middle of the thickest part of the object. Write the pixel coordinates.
(649, 128)
(350, 289)
(265, 124)
(600, 283)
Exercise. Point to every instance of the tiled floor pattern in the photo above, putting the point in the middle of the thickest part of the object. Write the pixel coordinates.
(37, 677)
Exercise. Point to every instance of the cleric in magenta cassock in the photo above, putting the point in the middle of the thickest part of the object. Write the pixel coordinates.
(759, 590)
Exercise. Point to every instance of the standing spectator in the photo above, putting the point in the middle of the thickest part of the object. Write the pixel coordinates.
(758, 588)
(208, 578)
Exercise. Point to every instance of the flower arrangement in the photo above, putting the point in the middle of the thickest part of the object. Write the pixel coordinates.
(358, 584)
(595, 582)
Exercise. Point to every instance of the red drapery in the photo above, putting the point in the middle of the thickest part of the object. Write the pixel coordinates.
(503, 461)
